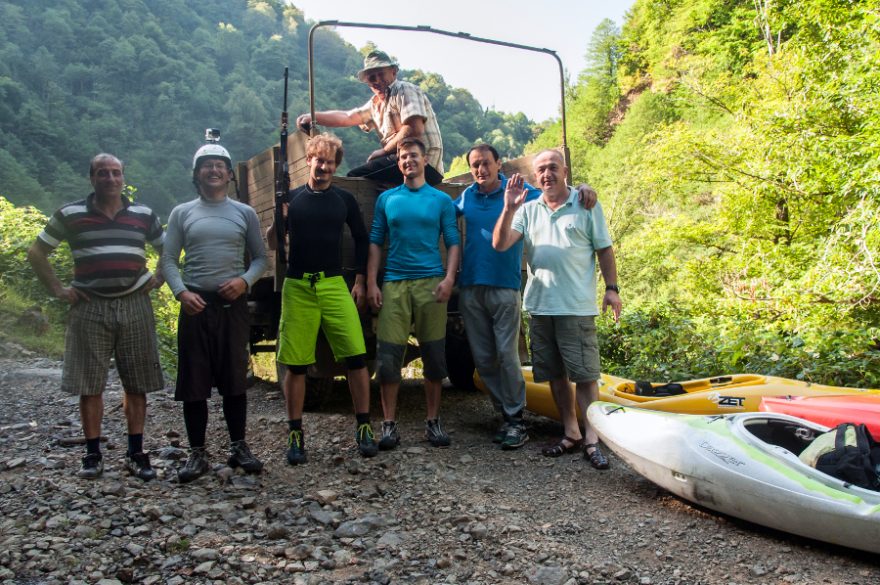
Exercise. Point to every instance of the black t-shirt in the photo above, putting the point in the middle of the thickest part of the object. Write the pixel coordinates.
(315, 221)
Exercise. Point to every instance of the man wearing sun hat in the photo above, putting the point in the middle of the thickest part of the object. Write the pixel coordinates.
(397, 110)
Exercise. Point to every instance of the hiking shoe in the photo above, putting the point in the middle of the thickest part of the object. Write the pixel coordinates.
(365, 441)
(515, 437)
(195, 467)
(296, 451)
(390, 437)
(138, 464)
(499, 435)
(435, 433)
(241, 456)
(92, 466)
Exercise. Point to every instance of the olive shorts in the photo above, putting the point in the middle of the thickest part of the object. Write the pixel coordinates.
(564, 346)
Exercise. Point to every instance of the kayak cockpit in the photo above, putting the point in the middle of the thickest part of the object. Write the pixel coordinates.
(792, 435)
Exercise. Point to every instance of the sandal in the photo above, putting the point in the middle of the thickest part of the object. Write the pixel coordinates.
(561, 447)
(597, 459)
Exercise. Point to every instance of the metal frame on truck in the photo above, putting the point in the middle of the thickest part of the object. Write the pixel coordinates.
(257, 179)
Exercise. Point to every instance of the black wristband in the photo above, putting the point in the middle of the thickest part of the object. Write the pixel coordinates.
(613, 287)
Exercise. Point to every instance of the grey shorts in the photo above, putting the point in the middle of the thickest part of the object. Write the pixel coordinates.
(564, 346)
(122, 328)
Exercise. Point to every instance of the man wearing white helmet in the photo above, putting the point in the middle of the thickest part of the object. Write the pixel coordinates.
(217, 233)
(397, 110)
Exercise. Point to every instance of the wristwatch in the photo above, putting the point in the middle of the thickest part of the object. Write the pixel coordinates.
(613, 287)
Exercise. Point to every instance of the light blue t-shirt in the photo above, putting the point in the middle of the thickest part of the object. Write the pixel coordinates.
(412, 221)
(481, 264)
(560, 249)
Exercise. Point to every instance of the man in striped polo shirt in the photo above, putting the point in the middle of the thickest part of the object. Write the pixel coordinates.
(110, 311)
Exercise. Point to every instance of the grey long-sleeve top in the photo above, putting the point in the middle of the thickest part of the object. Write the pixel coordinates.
(215, 236)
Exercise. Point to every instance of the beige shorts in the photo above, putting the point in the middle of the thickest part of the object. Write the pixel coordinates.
(122, 328)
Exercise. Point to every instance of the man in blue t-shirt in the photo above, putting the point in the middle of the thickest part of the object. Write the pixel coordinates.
(490, 299)
(416, 288)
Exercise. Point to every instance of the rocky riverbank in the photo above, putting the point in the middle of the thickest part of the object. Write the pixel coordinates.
(468, 514)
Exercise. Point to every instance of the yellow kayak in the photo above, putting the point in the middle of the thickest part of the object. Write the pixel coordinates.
(719, 395)
(539, 399)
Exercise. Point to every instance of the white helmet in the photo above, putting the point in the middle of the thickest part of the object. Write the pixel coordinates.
(211, 149)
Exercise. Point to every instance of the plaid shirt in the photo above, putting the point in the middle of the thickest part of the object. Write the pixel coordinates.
(403, 100)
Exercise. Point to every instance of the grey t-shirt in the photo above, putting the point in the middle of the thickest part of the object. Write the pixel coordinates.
(215, 236)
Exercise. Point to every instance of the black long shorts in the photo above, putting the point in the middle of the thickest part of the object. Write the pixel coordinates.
(212, 350)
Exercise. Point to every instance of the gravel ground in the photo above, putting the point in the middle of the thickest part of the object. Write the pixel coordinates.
(467, 514)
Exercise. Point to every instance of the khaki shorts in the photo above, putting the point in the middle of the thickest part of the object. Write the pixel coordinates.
(564, 346)
(122, 328)
(405, 302)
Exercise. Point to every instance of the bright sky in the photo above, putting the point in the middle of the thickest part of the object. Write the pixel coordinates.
(509, 80)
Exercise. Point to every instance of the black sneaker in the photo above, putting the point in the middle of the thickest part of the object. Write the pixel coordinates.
(296, 451)
(92, 466)
(390, 437)
(241, 456)
(435, 433)
(516, 436)
(499, 435)
(365, 441)
(138, 465)
(195, 467)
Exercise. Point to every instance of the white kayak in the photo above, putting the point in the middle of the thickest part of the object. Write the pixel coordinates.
(744, 465)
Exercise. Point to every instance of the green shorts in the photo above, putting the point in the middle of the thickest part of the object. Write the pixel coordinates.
(306, 307)
(405, 302)
(564, 346)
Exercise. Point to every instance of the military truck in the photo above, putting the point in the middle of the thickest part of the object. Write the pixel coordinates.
(256, 179)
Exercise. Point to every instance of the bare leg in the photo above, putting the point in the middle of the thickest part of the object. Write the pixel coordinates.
(359, 386)
(564, 398)
(294, 394)
(91, 413)
(432, 397)
(135, 408)
(389, 399)
(587, 393)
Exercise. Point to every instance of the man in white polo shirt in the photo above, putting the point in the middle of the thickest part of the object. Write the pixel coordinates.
(562, 242)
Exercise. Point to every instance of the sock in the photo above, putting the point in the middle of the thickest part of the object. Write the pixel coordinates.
(235, 411)
(195, 418)
(135, 443)
(295, 424)
(362, 418)
(93, 445)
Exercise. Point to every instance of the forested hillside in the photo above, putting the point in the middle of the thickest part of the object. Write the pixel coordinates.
(735, 145)
(144, 79)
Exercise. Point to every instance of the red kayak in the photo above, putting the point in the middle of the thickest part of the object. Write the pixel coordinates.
(828, 410)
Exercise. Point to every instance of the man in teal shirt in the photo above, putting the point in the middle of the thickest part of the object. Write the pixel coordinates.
(412, 217)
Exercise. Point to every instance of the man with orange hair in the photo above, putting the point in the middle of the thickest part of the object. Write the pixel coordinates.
(315, 293)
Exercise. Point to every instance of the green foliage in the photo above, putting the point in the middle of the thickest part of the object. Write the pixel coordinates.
(144, 79)
(740, 177)
(20, 290)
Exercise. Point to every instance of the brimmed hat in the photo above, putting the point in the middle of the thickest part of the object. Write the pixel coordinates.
(375, 60)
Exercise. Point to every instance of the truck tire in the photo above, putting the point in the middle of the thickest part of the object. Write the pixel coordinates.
(459, 361)
(317, 392)
(317, 388)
